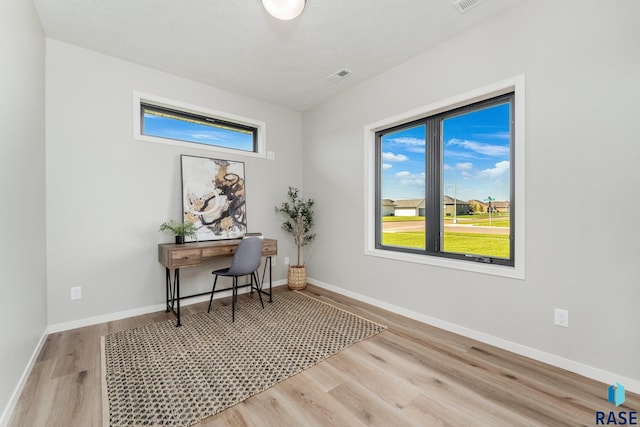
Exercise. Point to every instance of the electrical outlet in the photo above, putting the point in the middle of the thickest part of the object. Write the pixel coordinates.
(286, 260)
(273, 261)
(561, 317)
(76, 292)
(271, 155)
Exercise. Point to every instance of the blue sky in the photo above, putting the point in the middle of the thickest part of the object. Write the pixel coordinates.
(181, 130)
(475, 157)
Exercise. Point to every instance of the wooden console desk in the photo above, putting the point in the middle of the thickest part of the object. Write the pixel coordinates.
(174, 257)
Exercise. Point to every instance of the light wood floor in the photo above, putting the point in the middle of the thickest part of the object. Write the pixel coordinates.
(411, 374)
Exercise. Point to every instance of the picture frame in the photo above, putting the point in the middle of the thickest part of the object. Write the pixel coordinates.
(213, 197)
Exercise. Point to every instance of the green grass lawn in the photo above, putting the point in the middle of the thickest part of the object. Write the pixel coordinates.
(485, 222)
(497, 220)
(493, 245)
(402, 218)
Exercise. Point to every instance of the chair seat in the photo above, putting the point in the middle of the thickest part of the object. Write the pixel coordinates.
(222, 272)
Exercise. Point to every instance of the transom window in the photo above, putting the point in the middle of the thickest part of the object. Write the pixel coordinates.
(179, 124)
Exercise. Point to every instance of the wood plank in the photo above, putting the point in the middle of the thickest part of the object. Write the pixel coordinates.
(440, 398)
(325, 377)
(312, 406)
(379, 382)
(369, 408)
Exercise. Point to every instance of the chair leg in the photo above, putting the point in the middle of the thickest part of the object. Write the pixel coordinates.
(234, 293)
(258, 287)
(212, 291)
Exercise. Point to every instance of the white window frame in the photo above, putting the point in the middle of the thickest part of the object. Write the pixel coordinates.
(139, 98)
(515, 84)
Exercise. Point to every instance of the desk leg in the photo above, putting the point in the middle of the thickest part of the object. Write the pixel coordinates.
(270, 281)
(167, 286)
(176, 281)
(172, 291)
(264, 274)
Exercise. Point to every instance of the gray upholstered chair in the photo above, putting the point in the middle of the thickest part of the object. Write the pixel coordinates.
(245, 262)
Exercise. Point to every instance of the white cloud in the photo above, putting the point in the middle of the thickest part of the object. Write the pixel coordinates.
(499, 169)
(481, 148)
(409, 144)
(494, 135)
(390, 157)
(203, 136)
(386, 166)
(464, 166)
(414, 179)
(420, 150)
(408, 141)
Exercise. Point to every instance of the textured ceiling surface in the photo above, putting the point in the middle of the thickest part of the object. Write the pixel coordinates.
(235, 45)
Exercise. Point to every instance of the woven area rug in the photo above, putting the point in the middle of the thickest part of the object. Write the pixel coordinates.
(162, 375)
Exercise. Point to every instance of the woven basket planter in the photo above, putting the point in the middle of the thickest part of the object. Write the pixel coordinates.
(297, 277)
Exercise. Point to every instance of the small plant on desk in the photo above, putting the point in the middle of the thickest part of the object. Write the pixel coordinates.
(180, 229)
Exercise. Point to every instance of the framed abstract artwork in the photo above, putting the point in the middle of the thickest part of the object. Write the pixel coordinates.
(213, 197)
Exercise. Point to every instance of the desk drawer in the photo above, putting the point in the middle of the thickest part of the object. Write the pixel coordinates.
(269, 247)
(218, 251)
(186, 257)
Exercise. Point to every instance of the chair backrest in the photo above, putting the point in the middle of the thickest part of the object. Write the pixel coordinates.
(247, 258)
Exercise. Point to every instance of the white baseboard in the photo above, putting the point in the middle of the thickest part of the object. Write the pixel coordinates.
(11, 405)
(88, 321)
(597, 374)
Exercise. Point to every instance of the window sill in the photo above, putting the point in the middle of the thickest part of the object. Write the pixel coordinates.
(195, 146)
(516, 272)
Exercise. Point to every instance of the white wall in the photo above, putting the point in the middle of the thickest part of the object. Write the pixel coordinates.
(22, 192)
(108, 193)
(581, 60)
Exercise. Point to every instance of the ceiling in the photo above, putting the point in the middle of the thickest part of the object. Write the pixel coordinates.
(235, 45)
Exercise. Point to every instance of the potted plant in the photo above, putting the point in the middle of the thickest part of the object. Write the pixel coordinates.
(298, 214)
(180, 229)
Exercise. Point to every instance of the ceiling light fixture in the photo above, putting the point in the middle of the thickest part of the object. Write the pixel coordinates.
(284, 9)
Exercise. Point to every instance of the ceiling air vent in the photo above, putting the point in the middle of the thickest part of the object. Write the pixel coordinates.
(464, 5)
(339, 75)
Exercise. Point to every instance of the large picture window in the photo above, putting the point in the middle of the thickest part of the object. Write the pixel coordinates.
(445, 184)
